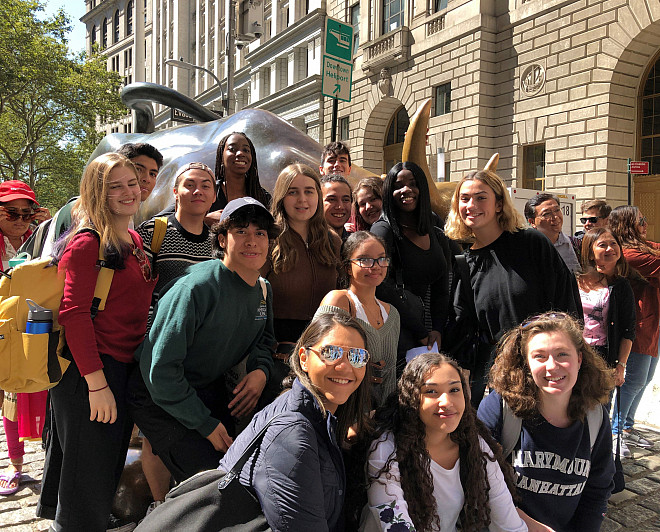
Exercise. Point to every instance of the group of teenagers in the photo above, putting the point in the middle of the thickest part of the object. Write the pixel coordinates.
(304, 304)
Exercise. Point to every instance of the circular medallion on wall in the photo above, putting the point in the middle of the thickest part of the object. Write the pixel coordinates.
(532, 79)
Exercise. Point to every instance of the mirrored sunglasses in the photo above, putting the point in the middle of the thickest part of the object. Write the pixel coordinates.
(331, 354)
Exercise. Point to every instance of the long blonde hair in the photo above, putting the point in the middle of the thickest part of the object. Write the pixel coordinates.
(90, 210)
(284, 253)
(509, 219)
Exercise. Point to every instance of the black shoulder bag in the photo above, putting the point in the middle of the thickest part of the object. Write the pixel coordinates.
(212, 501)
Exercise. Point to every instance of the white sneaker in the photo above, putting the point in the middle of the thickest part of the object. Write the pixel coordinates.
(624, 452)
(635, 437)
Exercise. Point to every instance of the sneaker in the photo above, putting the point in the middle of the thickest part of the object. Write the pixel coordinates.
(635, 437)
(624, 452)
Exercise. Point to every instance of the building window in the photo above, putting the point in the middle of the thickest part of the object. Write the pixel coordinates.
(534, 166)
(129, 18)
(439, 5)
(392, 15)
(355, 22)
(104, 33)
(93, 35)
(145, 12)
(343, 128)
(394, 140)
(651, 120)
(442, 99)
(115, 26)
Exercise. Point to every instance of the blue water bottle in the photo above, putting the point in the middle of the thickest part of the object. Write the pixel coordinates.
(40, 319)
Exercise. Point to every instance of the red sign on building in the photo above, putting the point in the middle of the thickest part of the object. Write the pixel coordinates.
(639, 167)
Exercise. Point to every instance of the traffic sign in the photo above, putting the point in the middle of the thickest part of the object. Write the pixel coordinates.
(337, 77)
(639, 167)
(338, 39)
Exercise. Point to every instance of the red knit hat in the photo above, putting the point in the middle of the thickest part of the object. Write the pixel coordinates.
(13, 190)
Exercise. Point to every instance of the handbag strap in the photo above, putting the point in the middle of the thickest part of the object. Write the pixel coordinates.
(618, 417)
(235, 471)
(464, 273)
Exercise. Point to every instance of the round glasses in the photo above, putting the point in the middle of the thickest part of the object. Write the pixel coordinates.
(331, 354)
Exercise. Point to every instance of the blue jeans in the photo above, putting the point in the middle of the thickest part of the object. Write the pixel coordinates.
(639, 372)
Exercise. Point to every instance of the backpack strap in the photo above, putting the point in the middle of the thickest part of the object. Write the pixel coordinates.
(511, 426)
(103, 282)
(160, 228)
(594, 421)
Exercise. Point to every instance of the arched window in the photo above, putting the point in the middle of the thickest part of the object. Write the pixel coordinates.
(104, 33)
(92, 35)
(396, 132)
(651, 119)
(115, 27)
(129, 18)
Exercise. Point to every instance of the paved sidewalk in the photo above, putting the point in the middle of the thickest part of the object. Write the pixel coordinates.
(636, 508)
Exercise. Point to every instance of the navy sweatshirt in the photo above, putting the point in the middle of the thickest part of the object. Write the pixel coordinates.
(562, 483)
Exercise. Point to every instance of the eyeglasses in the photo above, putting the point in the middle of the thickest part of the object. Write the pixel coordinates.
(331, 354)
(14, 214)
(643, 220)
(555, 213)
(590, 219)
(145, 265)
(549, 315)
(368, 262)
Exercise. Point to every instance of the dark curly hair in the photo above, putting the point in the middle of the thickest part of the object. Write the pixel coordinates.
(400, 416)
(511, 377)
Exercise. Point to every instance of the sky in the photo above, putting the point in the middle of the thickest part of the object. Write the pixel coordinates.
(74, 9)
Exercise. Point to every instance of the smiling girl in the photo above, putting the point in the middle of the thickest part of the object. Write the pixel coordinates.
(433, 464)
(547, 375)
(420, 256)
(607, 298)
(514, 272)
(366, 262)
(298, 474)
(92, 427)
(303, 265)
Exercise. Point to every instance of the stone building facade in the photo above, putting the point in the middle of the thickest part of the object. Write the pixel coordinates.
(564, 90)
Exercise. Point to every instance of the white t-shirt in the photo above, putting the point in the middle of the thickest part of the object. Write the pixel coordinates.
(387, 504)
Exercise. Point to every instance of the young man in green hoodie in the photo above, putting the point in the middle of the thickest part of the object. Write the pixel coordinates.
(209, 320)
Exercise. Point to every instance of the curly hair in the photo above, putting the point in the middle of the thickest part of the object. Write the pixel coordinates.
(252, 185)
(512, 378)
(509, 219)
(400, 416)
(284, 253)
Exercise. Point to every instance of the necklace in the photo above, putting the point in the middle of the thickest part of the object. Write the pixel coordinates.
(375, 312)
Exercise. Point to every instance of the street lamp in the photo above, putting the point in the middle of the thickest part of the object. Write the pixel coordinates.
(180, 63)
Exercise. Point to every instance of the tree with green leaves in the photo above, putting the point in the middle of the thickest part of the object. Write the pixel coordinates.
(50, 101)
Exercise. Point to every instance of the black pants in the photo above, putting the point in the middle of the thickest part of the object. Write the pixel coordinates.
(184, 451)
(84, 459)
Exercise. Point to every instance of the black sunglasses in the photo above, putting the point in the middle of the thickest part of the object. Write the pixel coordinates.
(14, 214)
(590, 219)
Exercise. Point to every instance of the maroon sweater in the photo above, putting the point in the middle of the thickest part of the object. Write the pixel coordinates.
(119, 329)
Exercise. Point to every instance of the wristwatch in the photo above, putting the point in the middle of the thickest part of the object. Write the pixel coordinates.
(621, 364)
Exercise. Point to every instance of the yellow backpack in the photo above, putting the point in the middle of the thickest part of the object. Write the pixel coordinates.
(32, 362)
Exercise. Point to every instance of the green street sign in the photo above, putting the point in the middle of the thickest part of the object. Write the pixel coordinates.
(337, 79)
(338, 39)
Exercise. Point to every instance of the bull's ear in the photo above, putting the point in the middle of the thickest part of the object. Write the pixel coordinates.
(491, 165)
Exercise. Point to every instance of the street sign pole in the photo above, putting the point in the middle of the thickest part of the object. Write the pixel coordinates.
(335, 110)
(629, 184)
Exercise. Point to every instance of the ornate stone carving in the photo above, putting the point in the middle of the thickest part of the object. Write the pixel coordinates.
(385, 82)
(532, 79)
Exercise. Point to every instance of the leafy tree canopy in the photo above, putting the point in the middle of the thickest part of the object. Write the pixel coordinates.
(50, 101)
